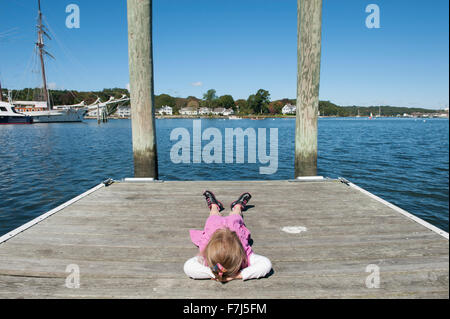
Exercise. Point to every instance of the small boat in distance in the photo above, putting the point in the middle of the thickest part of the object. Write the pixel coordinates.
(8, 115)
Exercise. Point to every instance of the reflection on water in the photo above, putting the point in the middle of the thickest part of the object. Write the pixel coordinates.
(401, 160)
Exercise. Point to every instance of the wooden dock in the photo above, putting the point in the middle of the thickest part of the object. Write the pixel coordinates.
(130, 241)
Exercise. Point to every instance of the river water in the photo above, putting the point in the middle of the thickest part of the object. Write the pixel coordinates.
(404, 161)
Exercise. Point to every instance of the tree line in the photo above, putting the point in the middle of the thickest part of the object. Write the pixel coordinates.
(260, 103)
(66, 97)
(255, 104)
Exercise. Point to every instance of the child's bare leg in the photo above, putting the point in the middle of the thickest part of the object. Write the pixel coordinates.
(237, 210)
(214, 210)
(240, 204)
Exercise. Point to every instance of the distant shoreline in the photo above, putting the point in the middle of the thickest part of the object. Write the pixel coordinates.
(261, 117)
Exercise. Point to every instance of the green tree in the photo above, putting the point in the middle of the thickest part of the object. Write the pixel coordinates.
(242, 106)
(227, 102)
(326, 108)
(252, 103)
(259, 102)
(179, 103)
(210, 96)
(164, 99)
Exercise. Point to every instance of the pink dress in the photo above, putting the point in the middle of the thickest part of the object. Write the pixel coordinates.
(234, 222)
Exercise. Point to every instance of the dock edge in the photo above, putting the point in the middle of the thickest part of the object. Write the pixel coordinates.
(44, 216)
(397, 209)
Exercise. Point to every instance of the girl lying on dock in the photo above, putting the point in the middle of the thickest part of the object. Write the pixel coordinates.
(225, 253)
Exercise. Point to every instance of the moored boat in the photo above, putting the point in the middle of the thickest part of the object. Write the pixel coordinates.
(41, 114)
(8, 115)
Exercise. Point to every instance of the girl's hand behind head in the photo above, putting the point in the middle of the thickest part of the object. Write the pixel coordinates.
(227, 279)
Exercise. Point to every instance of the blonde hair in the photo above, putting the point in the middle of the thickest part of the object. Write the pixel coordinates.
(226, 249)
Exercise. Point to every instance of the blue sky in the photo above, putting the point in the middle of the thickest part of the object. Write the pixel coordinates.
(239, 46)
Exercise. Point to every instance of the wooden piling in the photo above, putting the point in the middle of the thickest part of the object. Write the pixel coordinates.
(309, 26)
(140, 52)
(105, 114)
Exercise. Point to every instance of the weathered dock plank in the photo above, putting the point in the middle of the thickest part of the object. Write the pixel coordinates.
(130, 241)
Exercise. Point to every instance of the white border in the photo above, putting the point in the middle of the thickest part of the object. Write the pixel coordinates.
(37, 220)
(398, 209)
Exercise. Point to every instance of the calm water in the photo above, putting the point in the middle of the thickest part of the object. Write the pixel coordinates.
(405, 161)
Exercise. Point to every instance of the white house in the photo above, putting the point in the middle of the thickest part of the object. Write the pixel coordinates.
(188, 111)
(228, 112)
(165, 110)
(204, 111)
(289, 109)
(123, 111)
(218, 111)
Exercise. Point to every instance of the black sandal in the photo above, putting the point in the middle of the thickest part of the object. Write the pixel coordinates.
(211, 199)
(242, 200)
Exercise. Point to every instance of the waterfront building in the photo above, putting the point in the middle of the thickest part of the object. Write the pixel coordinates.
(218, 111)
(167, 110)
(122, 111)
(188, 111)
(289, 109)
(227, 112)
(204, 111)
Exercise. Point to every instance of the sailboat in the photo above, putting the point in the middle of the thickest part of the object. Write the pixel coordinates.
(379, 111)
(44, 111)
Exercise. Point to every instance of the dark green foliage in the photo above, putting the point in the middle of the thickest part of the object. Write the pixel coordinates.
(163, 100)
(226, 101)
(210, 97)
(259, 102)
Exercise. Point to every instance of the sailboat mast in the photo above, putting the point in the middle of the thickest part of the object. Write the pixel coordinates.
(1, 92)
(40, 45)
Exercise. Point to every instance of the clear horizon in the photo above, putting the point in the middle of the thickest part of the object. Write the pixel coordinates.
(237, 48)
